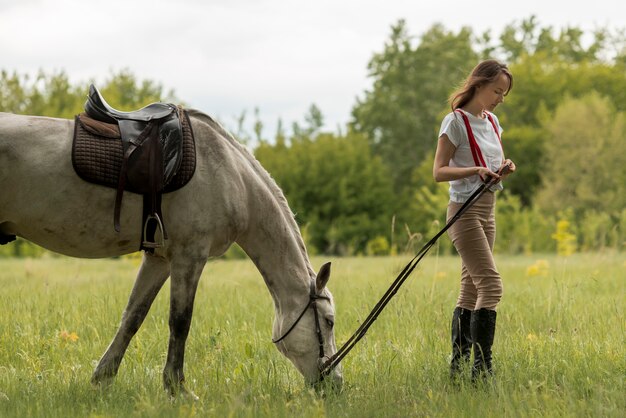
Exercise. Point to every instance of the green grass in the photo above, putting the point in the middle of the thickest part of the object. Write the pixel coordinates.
(559, 348)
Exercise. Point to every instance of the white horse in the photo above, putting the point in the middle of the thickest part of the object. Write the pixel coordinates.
(230, 198)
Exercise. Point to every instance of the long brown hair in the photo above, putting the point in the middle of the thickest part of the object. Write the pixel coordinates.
(485, 72)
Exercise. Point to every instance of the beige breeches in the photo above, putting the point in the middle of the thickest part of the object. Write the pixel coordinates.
(473, 236)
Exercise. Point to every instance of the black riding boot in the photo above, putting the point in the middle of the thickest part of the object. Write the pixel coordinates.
(461, 340)
(483, 328)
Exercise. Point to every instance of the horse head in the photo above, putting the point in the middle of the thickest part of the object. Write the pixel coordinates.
(305, 334)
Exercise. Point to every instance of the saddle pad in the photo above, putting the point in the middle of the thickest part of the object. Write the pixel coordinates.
(97, 153)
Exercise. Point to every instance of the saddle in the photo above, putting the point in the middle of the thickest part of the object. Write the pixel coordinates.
(149, 151)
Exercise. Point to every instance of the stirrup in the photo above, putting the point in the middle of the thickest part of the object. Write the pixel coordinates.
(155, 244)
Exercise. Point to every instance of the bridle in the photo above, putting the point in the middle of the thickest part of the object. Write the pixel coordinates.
(313, 298)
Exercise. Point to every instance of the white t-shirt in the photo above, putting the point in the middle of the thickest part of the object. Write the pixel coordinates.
(488, 142)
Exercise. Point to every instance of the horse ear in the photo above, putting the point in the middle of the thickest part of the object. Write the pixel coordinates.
(322, 277)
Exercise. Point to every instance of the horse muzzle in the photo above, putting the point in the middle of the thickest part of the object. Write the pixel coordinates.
(332, 382)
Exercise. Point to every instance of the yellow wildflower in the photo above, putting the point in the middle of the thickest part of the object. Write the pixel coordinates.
(540, 268)
(565, 240)
(532, 270)
(68, 336)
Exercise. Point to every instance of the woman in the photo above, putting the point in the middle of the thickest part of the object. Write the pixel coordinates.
(469, 151)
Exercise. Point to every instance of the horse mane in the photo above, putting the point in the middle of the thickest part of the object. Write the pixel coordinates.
(263, 174)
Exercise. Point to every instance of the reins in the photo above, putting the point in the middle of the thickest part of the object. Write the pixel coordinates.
(334, 361)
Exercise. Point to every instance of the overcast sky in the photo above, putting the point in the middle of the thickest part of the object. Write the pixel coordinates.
(226, 56)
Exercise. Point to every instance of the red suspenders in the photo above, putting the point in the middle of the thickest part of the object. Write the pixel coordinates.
(476, 153)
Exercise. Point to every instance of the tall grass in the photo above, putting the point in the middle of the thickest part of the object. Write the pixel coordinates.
(559, 348)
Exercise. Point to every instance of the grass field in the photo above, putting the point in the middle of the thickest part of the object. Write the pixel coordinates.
(559, 348)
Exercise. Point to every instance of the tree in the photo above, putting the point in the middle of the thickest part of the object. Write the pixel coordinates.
(528, 38)
(410, 85)
(55, 96)
(314, 122)
(540, 86)
(585, 158)
(47, 95)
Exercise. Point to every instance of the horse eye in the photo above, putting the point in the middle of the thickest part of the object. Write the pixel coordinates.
(330, 322)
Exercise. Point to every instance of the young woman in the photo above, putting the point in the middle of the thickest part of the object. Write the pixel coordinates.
(469, 151)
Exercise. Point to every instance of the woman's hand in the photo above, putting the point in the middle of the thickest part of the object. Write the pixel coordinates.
(510, 168)
(485, 173)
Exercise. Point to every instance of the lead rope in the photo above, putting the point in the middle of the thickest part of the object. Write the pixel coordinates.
(334, 361)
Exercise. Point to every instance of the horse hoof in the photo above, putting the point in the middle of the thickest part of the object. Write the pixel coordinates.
(99, 383)
(190, 396)
(100, 380)
(181, 392)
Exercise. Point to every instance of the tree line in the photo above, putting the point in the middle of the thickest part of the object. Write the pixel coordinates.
(564, 126)
(369, 190)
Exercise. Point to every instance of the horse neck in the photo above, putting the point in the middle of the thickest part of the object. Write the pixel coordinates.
(275, 245)
(271, 237)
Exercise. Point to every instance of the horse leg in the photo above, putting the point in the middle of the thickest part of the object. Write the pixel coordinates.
(185, 278)
(153, 272)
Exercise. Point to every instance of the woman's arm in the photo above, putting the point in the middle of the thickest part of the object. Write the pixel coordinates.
(443, 172)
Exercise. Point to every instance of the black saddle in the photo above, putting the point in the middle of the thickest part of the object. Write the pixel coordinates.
(99, 109)
(152, 141)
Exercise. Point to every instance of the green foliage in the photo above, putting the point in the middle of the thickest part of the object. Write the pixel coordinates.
(314, 122)
(378, 246)
(47, 95)
(55, 96)
(429, 208)
(22, 248)
(522, 230)
(541, 82)
(621, 230)
(336, 187)
(524, 144)
(584, 164)
(598, 231)
(528, 38)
